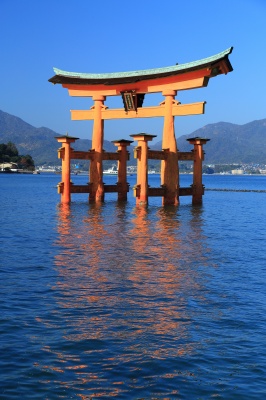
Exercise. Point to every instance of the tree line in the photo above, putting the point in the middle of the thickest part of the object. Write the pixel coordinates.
(9, 154)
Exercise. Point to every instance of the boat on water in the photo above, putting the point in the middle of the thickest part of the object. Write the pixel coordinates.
(110, 171)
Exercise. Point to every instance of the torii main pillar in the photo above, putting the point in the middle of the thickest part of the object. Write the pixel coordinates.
(169, 167)
(96, 165)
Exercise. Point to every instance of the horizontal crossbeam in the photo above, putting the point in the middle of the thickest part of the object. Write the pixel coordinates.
(186, 155)
(111, 188)
(81, 155)
(87, 188)
(157, 154)
(145, 112)
(88, 155)
(152, 192)
(157, 191)
(111, 156)
(185, 191)
(80, 188)
(154, 86)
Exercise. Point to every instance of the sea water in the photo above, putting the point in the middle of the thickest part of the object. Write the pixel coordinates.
(118, 301)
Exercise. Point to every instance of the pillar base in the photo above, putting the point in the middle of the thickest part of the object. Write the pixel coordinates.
(171, 199)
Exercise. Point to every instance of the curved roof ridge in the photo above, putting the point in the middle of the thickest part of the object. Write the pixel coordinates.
(137, 73)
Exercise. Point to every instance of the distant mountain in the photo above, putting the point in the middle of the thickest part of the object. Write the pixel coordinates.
(229, 143)
(40, 143)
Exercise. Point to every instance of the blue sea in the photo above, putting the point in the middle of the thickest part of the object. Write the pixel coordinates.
(113, 301)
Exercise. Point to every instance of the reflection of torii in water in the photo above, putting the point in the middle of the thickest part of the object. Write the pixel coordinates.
(133, 86)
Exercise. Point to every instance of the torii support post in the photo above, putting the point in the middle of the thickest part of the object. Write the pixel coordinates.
(96, 165)
(198, 188)
(64, 187)
(122, 168)
(169, 166)
(141, 189)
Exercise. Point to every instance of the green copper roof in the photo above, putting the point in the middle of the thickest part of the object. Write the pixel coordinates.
(131, 76)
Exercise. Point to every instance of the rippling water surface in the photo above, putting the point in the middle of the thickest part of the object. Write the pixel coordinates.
(132, 303)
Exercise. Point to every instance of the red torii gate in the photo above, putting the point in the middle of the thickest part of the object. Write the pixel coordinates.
(133, 86)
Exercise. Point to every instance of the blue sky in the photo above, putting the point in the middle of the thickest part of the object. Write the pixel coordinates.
(118, 35)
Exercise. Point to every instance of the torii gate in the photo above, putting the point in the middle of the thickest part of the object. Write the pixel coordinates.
(133, 86)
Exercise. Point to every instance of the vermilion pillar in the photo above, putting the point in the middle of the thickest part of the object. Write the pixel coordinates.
(122, 167)
(169, 167)
(64, 153)
(142, 167)
(96, 167)
(198, 188)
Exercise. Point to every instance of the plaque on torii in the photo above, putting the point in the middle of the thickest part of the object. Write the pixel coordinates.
(132, 87)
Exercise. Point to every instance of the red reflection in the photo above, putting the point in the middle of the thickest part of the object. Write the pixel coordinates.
(125, 279)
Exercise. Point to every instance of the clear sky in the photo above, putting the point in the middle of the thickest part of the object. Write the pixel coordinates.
(118, 35)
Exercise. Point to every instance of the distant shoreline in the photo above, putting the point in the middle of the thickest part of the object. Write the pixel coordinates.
(20, 172)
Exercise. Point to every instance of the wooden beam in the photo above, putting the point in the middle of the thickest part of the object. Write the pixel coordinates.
(186, 155)
(157, 154)
(146, 112)
(81, 155)
(80, 188)
(156, 191)
(110, 156)
(111, 188)
(90, 91)
(184, 85)
(189, 109)
(185, 191)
